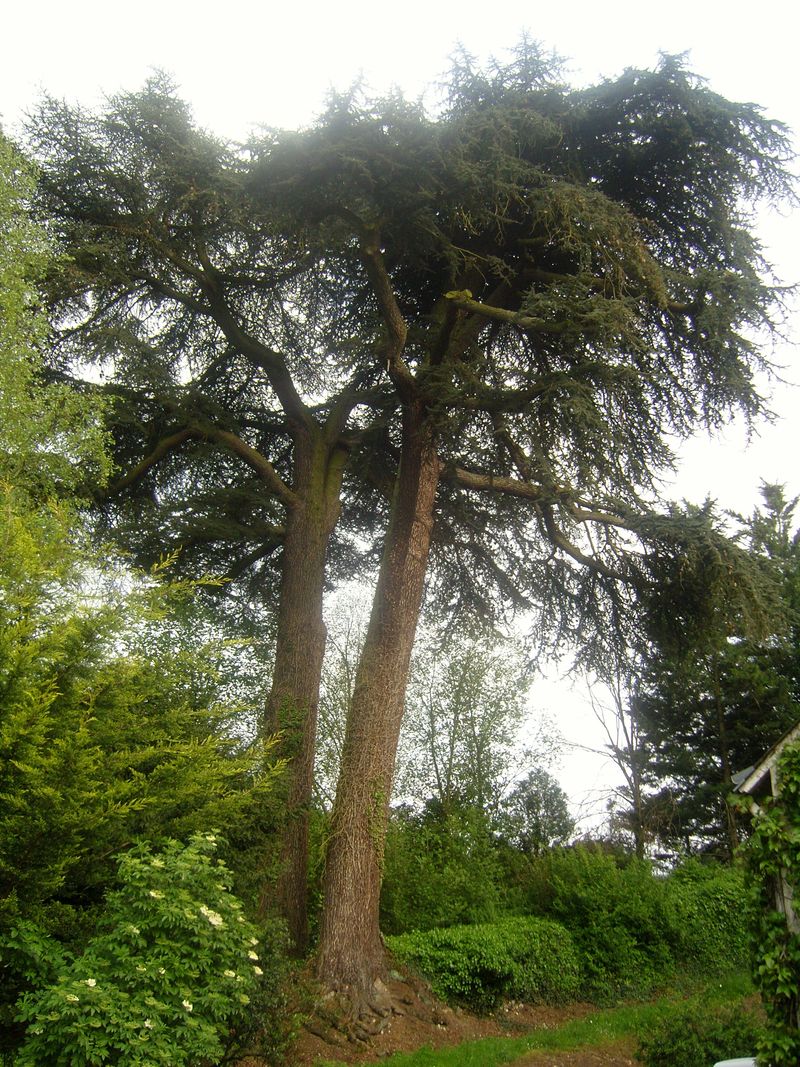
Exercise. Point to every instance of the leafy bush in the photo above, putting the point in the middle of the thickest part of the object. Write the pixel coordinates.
(634, 929)
(169, 981)
(525, 958)
(709, 918)
(698, 1035)
(616, 913)
(440, 871)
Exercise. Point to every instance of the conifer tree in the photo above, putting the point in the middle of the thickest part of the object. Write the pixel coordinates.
(477, 335)
(712, 709)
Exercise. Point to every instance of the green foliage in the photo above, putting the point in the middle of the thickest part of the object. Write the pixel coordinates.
(103, 737)
(699, 1034)
(773, 862)
(633, 929)
(615, 290)
(169, 979)
(615, 912)
(50, 436)
(107, 731)
(718, 701)
(465, 706)
(440, 870)
(708, 917)
(525, 958)
(535, 816)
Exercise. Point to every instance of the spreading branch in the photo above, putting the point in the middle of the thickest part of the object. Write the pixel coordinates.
(260, 464)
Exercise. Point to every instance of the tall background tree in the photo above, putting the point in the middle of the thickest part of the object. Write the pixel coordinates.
(713, 709)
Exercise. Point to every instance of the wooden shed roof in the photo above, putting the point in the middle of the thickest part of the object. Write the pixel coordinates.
(755, 780)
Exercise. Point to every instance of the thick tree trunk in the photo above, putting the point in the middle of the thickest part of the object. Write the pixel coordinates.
(299, 650)
(351, 954)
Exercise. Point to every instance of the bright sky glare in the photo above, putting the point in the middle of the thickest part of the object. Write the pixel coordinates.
(242, 63)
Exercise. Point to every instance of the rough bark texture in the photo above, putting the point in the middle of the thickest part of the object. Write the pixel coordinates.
(300, 647)
(351, 954)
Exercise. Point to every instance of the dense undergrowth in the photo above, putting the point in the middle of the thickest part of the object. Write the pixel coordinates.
(598, 926)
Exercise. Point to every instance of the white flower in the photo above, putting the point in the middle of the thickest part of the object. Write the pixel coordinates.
(240, 918)
(149, 1024)
(91, 982)
(258, 971)
(141, 968)
(229, 974)
(252, 955)
(253, 940)
(72, 998)
(156, 894)
(161, 970)
(187, 1004)
(134, 930)
(213, 917)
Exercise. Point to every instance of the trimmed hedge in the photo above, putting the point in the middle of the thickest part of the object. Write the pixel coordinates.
(522, 958)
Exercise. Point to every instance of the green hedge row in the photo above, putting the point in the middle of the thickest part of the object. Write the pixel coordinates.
(603, 931)
(520, 958)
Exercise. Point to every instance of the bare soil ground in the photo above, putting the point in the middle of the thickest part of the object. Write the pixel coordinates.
(405, 1016)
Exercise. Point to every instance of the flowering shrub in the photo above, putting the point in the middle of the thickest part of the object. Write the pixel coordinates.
(170, 980)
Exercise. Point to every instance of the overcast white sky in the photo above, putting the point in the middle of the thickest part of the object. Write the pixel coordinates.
(241, 64)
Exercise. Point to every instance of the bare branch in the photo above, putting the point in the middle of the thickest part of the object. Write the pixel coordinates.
(463, 299)
(260, 464)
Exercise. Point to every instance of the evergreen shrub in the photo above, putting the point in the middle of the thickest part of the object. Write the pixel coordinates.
(519, 958)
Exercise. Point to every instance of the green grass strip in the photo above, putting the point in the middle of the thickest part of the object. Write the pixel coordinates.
(599, 1028)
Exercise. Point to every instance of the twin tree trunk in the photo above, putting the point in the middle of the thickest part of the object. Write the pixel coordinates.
(351, 954)
(300, 647)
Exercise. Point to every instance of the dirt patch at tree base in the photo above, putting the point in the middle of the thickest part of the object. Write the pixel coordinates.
(404, 1016)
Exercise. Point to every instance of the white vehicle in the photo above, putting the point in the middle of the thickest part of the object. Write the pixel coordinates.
(745, 1061)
